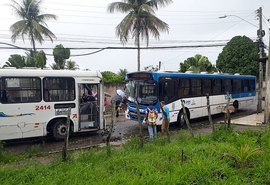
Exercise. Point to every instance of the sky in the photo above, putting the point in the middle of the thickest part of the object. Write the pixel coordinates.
(87, 24)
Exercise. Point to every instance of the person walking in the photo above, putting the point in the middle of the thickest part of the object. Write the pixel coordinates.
(165, 117)
(151, 119)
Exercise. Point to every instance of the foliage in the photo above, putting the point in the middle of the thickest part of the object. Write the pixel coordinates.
(60, 55)
(71, 65)
(32, 23)
(243, 156)
(186, 160)
(37, 60)
(33, 150)
(111, 77)
(16, 60)
(140, 20)
(40, 59)
(239, 56)
(197, 64)
(122, 73)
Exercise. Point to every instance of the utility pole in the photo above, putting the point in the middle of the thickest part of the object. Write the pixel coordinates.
(260, 34)
(267, 97)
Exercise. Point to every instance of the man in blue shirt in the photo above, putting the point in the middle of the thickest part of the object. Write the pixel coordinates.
(165, 117)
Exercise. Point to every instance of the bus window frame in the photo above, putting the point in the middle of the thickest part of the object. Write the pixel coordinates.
(19, 89)
(46, 90)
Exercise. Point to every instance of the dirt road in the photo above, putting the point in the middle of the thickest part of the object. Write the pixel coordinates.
(123, 129)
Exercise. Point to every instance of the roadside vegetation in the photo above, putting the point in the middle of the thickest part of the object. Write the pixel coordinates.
(224, 157)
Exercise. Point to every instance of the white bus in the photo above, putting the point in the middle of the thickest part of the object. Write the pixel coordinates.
(149, 88)
(35, 102)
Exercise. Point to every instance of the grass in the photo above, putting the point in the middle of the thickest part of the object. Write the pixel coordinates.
(159, 162)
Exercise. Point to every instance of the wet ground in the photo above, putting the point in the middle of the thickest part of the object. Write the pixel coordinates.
(123, 129)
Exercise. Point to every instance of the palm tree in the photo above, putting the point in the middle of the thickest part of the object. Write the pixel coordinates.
(32, 23)
(122, 74)
(140, 20)
(71, 65)
(197, 64)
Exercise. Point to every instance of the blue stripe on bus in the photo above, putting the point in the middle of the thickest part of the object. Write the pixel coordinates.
(187, 75)
(242, 95)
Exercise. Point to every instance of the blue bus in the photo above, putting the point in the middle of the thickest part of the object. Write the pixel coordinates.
(149, 88)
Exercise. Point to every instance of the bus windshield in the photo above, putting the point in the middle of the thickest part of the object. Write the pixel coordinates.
(145, 92)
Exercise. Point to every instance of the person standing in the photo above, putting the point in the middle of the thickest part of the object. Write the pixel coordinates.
(165, 117)
(151, 119)
(117, 100)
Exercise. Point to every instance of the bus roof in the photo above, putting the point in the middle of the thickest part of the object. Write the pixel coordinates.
(46, 72)
(156, 75)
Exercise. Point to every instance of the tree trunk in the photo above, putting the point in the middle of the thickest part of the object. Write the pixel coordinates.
(228, 114)
(139, 50)
(64, 151)
(140, 123)
(33, 43)
(110, 131)
(186, 118)
(209, 113)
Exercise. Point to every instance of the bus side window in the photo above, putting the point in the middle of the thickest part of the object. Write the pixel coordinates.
(184, 84)
(245, 86)
(196, 87)
(206, 86)
(226, 85)
(252, 85)
(236, 85)
(4, 96)
(216, 86)
(168, 90)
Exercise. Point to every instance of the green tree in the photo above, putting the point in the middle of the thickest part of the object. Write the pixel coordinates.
(71, 65)
(197, 64)
(60, 55)
(122, 74)
(41, 59)
(16, 60)
(19, 61)
(239, 56)
(32, 23)
(140, 21)
(111, 77)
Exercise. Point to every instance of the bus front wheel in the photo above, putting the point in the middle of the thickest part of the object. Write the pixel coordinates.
(59, 129)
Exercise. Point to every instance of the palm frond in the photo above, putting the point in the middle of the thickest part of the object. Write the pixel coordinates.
(120, 7)
(123, 29)
(19, 28)
(45, 17)
(157, 3)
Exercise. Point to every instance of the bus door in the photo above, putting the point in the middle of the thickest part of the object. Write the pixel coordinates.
(89, 106)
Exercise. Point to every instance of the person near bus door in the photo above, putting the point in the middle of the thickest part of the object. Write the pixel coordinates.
(151, 120)
(117, 100)
(165, 117)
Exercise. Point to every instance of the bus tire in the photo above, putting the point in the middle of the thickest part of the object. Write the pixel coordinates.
(180, 119)
(59, 129)
(236, 106)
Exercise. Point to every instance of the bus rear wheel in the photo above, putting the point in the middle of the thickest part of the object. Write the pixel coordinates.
(59, 129)
(180, 119)
(236, 106)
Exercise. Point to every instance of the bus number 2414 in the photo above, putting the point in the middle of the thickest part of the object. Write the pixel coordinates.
(43, 107)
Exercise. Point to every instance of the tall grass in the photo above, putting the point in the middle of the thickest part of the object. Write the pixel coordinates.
(185, 160)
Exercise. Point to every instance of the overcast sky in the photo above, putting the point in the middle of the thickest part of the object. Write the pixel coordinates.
(86, 24)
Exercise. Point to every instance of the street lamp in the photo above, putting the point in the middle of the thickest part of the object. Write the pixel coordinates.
(225, 16)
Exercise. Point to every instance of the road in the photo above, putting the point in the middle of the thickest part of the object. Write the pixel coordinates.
(123, 129)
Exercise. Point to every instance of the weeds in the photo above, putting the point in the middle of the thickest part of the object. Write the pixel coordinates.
(33, 150)
(185, 160)
(243, 156)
